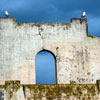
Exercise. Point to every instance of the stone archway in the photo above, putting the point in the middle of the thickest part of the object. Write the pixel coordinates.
(45, 62)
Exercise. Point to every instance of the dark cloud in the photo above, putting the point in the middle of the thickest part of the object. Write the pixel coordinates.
(53, 11)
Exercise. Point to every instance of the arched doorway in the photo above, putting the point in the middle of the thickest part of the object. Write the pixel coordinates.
(45, 68)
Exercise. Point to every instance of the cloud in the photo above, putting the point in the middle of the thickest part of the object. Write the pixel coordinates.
(94, 26)
(49, 8)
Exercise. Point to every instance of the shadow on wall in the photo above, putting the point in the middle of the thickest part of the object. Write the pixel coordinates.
(45, 68)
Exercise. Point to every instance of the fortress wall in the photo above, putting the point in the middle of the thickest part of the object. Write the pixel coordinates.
(77, 55)
(79, 64)
(13, 90)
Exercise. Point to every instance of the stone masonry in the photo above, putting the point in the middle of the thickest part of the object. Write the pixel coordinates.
(77, 56)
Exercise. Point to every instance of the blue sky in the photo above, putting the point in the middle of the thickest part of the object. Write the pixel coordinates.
(45, 68)
(53, 11)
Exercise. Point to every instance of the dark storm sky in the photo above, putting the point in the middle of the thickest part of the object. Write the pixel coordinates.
(53, 11)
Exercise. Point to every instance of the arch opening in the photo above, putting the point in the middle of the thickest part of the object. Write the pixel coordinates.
(45, 62)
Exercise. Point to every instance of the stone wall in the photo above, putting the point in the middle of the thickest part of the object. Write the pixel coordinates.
(13, 90)
(77, 54)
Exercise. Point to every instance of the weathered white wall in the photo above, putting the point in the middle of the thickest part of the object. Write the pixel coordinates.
(77, 55)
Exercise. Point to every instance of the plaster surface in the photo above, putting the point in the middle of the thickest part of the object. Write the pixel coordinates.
(77, 54)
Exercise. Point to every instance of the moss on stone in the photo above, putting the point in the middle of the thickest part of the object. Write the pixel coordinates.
(12, 86)
(90, 89)
(50, 92)
(14, 20)
(2, 86)
(88, 34)
(19, 24)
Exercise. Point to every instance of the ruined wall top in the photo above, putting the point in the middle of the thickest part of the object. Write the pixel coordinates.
(77, 29)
